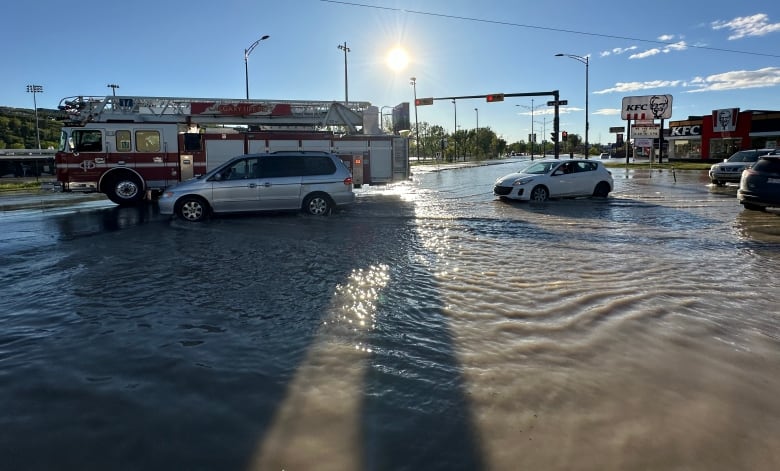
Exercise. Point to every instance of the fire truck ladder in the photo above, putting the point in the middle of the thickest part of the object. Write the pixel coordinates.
(267, 113)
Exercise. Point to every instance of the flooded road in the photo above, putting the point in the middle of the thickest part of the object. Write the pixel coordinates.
(428, 326)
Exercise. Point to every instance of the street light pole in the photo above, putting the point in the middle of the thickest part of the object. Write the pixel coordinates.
(585, 60)
(344, 48)
(36, 89)
(455, 131)
(477, 110)
(533, 137)
(248, 51)
(413, 83)
(113, 88)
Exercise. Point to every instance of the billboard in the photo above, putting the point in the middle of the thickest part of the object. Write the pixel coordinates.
(647, 107)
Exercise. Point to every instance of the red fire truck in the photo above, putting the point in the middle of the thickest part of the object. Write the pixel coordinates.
(131, 148)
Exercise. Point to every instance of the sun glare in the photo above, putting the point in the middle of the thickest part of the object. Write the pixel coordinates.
(397, 59)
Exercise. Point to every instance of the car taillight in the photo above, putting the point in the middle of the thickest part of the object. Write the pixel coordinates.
(348, 181)
(749, 171)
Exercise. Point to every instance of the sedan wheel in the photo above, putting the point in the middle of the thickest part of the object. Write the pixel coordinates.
(539, 194)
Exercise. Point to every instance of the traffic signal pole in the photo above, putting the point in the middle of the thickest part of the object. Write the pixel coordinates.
(493, 97)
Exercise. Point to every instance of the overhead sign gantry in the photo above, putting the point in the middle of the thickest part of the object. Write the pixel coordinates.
(495, 97)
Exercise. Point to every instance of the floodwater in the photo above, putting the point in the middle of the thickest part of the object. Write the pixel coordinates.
(429, 326)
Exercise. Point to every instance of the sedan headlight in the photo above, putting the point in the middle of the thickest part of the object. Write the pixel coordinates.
(522, 181)
(167, 194)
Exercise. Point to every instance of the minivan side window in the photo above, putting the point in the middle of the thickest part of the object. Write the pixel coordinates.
(280, 166)
(318, 165)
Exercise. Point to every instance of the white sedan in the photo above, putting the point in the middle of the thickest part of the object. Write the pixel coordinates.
(555, 179)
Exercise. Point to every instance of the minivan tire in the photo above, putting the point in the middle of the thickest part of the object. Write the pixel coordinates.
(192, 209)
(318, 204)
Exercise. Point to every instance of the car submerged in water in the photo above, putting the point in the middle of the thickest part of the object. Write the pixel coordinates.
(312, 182)
(730, 170)
(552, 178)
(759, 186)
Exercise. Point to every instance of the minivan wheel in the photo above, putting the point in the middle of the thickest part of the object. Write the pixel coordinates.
(539, 194)
(317, 204)
(192, 208)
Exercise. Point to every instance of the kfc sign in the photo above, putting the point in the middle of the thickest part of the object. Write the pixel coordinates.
(682, 131)
(647, 107)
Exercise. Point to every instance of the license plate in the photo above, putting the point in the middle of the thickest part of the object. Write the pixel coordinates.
(773, 180)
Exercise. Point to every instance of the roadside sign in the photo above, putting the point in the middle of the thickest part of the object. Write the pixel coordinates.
(559, 102)
(617, 129)
(647, 131)
(647, 107)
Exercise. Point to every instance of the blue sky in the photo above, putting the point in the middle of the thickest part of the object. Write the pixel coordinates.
(707, 55)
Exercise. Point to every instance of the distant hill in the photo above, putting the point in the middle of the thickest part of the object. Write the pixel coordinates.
(17, 128)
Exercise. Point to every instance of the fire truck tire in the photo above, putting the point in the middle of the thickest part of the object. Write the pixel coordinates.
(192, 209)
(318, 204)
(125, 190)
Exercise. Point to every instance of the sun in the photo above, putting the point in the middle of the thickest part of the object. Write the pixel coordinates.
(397, 59)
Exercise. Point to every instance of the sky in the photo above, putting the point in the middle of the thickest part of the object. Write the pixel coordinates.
(707, 55)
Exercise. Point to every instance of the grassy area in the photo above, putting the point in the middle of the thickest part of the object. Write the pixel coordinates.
(15, 186)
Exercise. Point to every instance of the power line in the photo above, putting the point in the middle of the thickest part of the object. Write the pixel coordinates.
(543, 28)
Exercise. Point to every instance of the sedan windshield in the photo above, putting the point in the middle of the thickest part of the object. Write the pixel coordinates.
(539, 168)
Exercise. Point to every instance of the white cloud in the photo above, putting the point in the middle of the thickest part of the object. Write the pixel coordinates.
(743, 26)
(678, 46)
(647, 53)
(736, 80)
(608, 112)
(617, 51)
(622, 87)
(666, 37)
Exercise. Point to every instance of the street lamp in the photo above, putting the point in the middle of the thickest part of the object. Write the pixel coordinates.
(585, 60)
(36, 89)
(113, 87)
(413, 83)
(344, 48)
(248, 51)
(477, 110)
(533, 137)
(455, 130)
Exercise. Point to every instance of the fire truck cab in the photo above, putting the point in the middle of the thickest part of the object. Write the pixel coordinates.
(132, 148)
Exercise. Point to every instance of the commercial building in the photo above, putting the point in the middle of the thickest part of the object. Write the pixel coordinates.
(716, 136)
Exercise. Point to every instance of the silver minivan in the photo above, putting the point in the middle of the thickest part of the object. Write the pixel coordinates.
(314, 182)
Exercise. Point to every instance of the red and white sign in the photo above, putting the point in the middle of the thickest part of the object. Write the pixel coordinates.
(647, 107)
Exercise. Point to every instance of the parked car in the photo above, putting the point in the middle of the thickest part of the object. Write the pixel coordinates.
(314, 182)
(555, 179)
(730, 170)
(759, 186)
(604, 155)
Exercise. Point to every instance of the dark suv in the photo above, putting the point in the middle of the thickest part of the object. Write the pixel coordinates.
(760, 183)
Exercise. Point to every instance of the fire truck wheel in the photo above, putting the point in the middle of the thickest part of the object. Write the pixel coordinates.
(317, 204)
(192, 208)
(125, 190)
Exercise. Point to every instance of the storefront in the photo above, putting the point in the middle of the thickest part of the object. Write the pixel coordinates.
(716, 136)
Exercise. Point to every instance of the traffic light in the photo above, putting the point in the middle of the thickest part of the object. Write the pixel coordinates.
(554, 136)
(564, 135)
(423, 101)
(494, 97)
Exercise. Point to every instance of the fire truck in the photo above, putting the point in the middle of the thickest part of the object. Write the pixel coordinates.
(131, 148)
